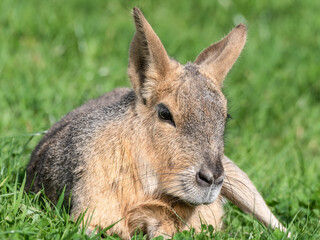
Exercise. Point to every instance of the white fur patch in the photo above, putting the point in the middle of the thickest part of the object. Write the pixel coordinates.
(148, 176)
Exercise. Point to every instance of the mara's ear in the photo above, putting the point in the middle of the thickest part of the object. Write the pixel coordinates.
(218, 59)
(148, 60)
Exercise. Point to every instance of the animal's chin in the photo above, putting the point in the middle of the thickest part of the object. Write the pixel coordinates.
(197, 203)
(192, 202)
(204, 197)
(195, 196)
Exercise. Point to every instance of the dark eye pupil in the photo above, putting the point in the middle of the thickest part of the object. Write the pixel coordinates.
(164, 114)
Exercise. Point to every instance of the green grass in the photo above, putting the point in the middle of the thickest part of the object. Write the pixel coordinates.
(55, 55)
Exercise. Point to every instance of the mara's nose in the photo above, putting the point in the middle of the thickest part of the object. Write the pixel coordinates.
(206, 177)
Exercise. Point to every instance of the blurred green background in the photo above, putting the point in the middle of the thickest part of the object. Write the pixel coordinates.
(56, 54)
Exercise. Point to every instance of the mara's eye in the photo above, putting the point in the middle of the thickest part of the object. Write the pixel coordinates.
(164, 114)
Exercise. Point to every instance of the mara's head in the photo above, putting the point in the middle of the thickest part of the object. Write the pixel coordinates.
(183, 113)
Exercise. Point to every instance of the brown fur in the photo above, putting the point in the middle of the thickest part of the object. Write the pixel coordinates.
(120, 158)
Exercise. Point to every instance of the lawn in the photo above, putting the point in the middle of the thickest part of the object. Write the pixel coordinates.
(57, 54)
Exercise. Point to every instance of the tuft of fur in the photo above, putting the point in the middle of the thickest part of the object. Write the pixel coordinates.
(119, 157)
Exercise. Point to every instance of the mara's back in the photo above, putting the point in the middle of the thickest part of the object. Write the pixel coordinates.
(57, 162)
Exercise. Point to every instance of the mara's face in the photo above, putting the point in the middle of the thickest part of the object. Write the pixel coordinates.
(182, 112)
(187, 137)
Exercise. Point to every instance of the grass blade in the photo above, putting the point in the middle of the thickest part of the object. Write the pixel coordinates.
(18, 201)
(60, 202)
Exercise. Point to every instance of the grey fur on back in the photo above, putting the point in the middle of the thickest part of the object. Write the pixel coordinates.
(59, 151)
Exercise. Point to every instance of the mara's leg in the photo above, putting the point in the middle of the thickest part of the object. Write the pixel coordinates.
(154, 218)
(207, 214)
(238, 188)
